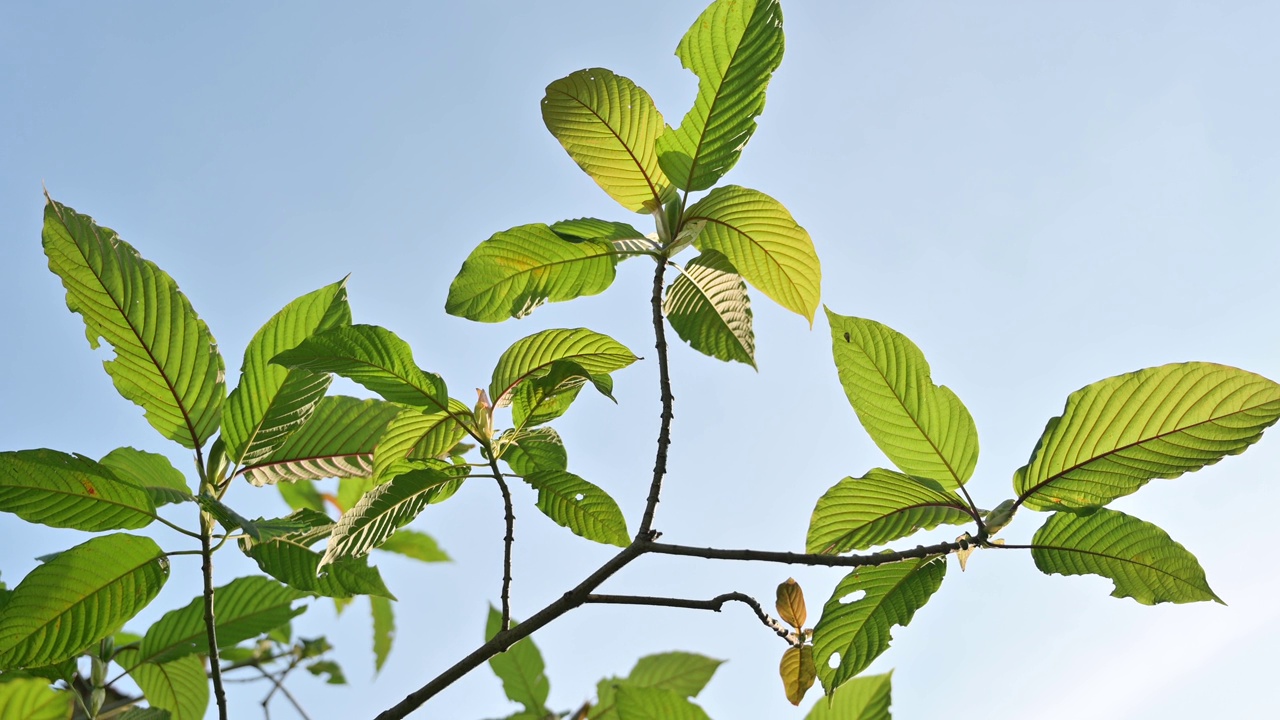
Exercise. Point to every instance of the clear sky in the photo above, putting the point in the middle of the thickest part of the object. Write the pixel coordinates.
(1040, 195)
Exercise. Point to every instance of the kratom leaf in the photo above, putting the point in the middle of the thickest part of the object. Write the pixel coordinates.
(350, 490)
(373, 357)
(330, 669)
(520, 669)
(178, 686)
(609, 125)
(384, 630)
(337, 440)
(763, 242)
(924, 428)
(647, 703)
(418, 435)
(1117, 434)
(417, 545)
(166, 360)
(593, 229)
(290, 560)
(301, 495)
(78, 597)
(70, 491)
(545, 398)
(246, 607)
(258, 530)
(33, 699)
(709, 308)
(1143, 561)
(790, 604)
(533, 450)
(152, 472)
(798, 672)
(860, 629)
(532, 357)
(877, 508)
(585, 509)
(384, 509)
(684, 673)
(862, 698)
(514, 271)
(270, 401)
(144, 713)
(733, 48)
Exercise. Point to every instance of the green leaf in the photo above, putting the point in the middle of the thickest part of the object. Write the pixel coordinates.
(166, 360)
(245, 607)
(520, 669)
(858, 626)
(709, 308)
(258, 530)
(685, 674)
(1117, 434)
(351, 489)
(270, 401)
(338, 440)
(647, 703)
(384, 630)
(144, 713)
(78, 597)
(70, 491)
(152, 472)
(33, 699)
(862, 698)
(798, 672)
(330, 669)
(384, 509)
(178, 686)
(301, 495)
(924, 428)
(609, 126)
(417, 545)
(514, 271)
(879, 507)
(418, 435)
(733, 48)
(373, 357)
(763, 242)
(1143, 561)
(532, 357)
(619, 234)
(530, 451)
(585, 509)
(290, 560)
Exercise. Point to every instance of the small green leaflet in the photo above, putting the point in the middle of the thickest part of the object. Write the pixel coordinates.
(924, 428)
(270, 401)
(257, 530)
(619, 234)
(609, 126)
(166, 360)
(879, 507)
(337, 440)
(862, 698)
(859, 629)
(733, 48)
(1143, 561)
(384, 630)
(416, 545)
(520, 669)
(71, 491)
(763, 242)
(709, 308)
(177, 686)
(529, 451)
(1118, 434)
(78, 597)
(532, 357)
(580, 506)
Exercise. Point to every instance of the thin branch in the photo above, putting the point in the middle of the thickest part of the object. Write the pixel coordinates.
(920, 551)
(507, 542)
(284, 690)
(664, 381)
(210, 624)
(714, 605)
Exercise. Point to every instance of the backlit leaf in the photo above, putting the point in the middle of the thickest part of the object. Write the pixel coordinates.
(33, 699)
(862, 698)
(384, 630)
(798, 672)
(152, 472)
(337, 440)
(532, 357)
(179, 686)
(790, 604)
(520, 669)
(648, 703)
(291, 560)
(580, 506)
(879, 507)
(418, 435)
(534, 450)
(384, 509)
(413, 544)
(70, 491)
(709, 308)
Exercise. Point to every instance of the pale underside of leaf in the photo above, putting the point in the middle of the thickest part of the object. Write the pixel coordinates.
(533, 355)
(763, 242)
(881, 506)
(1142, 560)
(166, 359)
(337, 440)
(417, 435)
(733, 48)
(384, 509)
(609, 126)
(1117, 434)
(923, 428)
(709, 308)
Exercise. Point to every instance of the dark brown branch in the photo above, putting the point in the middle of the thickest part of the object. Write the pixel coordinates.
(210, 624)
(664, 381)
(507, 542)
(920, 551)
(714, 605)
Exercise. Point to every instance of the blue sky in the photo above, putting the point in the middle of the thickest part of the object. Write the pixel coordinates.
(1040, 195)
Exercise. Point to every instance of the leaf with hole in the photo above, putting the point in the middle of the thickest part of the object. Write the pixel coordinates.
(585, 509)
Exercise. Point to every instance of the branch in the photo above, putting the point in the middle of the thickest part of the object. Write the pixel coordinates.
(210, 625)
(714, 605)
(664, 380)
(266, 701)
(507, 542)
(920, 551)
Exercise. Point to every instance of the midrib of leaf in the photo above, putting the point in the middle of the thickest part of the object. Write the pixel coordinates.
(200, 634)
(657, 197)
(1067, 471)
(723, 319)
(275, 398)
(177, 400)
(1113, 558)
(97, 498)
(899, 511)
(751, 238)
(529, 271)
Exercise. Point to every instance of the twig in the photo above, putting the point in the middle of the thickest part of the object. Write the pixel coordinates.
(284, 690)
(920, 551)
(714, 605)
(507, 542)
(664, 381)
